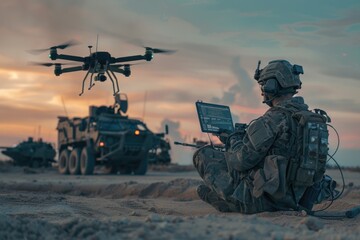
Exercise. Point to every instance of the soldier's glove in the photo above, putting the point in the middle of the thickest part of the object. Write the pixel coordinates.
(234, 141)
(223, 137)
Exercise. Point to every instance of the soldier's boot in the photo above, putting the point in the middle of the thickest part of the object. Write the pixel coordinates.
(211, 197)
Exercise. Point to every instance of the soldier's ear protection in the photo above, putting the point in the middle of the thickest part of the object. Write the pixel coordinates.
(271, 86)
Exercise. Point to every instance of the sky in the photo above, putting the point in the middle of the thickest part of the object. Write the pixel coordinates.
(217, 43)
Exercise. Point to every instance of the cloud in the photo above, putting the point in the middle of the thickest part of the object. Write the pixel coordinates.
(343, 72)
(242, 92)
(26, 114)
(338, 105)
(179, 154)
(209, 37)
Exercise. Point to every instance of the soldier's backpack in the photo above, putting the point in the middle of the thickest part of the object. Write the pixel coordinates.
(309, 148)
(304, 164)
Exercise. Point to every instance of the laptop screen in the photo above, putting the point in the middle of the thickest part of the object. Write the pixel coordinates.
(214, 118)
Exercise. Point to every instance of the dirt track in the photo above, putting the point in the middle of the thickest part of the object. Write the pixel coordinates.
(43, 204)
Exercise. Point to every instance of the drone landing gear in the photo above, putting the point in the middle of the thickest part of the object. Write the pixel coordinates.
(111, 76)
(91, 83)
(112, 81)
(83, 82)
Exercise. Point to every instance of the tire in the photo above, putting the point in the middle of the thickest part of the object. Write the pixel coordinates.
(64, 162)
(74, 161)
(87, 161)
(141, 169)
(110, 169)
(35, 163)
(126, 170)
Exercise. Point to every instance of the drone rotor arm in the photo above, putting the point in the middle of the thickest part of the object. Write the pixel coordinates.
(70, 58)
(116, 69)
(71, 69)
(130, 58)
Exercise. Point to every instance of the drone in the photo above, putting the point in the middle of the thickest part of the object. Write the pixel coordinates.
(100, 63)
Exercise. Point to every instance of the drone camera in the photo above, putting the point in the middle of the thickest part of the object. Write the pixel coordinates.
(100, 77)
(127, 71)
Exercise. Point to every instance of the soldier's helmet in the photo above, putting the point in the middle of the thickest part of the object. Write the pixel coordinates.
(282, 75)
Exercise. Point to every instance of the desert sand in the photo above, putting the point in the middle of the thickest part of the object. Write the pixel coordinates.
(42, 204)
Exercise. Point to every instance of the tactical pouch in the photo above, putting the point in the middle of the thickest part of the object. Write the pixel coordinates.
(272, 178)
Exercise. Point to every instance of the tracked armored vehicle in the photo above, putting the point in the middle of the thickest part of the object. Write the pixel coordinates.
(105, 137)
(31, 153)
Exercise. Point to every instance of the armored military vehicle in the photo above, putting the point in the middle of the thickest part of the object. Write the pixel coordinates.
(31, 153)
(106, 137)
(160, 153)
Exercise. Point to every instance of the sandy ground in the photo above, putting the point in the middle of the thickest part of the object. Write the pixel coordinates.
(42, 204)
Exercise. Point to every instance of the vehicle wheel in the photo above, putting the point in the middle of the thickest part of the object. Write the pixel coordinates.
(74, 161)
(141, 169)
(109, 169)
(35, 163)
(87, 161)
(64, 162)
(125, 170)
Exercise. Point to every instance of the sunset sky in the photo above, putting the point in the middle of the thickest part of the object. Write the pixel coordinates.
(218, 45)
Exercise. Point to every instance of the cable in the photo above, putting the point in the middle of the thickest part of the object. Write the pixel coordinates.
(337, 164)
(333, 198)
(332, 201)
(342, 177)
(212, 145)
(338, 142)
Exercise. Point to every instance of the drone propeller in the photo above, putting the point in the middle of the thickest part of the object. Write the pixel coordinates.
(50, 64)
(158, 50)
(140, 43)
(61, 46)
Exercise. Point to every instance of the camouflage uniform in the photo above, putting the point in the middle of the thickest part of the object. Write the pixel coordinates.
(237, 176)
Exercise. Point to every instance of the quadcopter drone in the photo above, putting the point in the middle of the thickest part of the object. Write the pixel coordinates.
(100, 63)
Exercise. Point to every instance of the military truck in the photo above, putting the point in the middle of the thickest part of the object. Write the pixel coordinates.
(160, 153)
(31, 153)
(105, 137)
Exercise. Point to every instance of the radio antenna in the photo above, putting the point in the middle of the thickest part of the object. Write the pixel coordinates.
(62, 100)
(144, 109)
(212, 145)
(97, 42)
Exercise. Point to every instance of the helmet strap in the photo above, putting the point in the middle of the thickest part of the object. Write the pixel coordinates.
(268, 100)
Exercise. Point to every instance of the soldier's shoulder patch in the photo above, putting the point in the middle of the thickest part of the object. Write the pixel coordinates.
(259, 133)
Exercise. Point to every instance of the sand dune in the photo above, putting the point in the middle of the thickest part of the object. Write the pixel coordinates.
(42, 204)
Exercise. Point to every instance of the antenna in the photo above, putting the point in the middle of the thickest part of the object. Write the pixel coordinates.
(97, 42)
(212, 145)
(257, 71)
(145, 99)
(39, 136)
(62, 100)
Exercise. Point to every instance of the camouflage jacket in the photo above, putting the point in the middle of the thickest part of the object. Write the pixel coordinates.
(267, 138)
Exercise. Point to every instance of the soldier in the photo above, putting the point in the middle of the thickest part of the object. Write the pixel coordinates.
(260, 170)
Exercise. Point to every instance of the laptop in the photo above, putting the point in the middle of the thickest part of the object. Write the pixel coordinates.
(214, 118)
